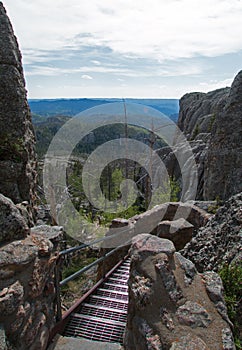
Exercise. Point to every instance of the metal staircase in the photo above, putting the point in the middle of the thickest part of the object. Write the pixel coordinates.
(102, 315)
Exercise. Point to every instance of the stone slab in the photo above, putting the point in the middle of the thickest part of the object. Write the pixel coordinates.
(67, 343)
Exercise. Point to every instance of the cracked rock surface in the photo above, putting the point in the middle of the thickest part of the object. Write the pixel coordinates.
(171, 305)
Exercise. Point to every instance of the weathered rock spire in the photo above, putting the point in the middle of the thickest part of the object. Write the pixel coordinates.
(17, 155)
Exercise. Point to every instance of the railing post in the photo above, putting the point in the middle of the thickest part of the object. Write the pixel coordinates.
(103, 267)
(57, 291)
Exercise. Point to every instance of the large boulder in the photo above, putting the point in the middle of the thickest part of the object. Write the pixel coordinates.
(178, 231)
(12, 224)
(175, 228)
(171, 305)
(17, 155)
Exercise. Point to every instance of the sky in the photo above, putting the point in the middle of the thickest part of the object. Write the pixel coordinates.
(125, 48)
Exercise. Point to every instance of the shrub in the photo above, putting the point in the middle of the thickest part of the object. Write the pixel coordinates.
(231, 276)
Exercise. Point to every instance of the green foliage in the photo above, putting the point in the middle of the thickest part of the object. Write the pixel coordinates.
(214, 208)
(175, 190)
(46, 128)
(195, 132)
(110, 181)
(212, 120)
(77, 263)
(11, 149)
(74, 289)
(125, 214)
(231, 276)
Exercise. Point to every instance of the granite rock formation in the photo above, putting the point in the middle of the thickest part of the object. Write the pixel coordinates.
(27, 258)
(17, 155)
(27, 279)
(220, 240)
(27, 291)
(171, 305)
(12, 223)
(224, 161)
(164, 220)
(212, 124)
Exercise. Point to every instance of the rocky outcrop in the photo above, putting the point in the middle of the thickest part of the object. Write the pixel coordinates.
(164, 220)
(220, 240)
(27, 258)
(17, 156)
(12, 223)
(197, 111)
(224, 162)
(212, 124)
(27, 279)
(178, 231)
(27, 291)
(171, 305)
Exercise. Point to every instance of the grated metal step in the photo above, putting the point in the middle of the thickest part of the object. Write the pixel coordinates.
(118, 281)
(94, 329)
(109, 302)
(103, 316)
(104, 312)
(114, 286)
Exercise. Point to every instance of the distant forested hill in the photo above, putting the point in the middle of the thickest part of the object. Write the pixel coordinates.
(71, 107)
(49, 115)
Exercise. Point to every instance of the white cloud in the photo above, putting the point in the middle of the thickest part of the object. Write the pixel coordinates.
(180, 69)
(213, 84)
(96, 62)
(156, 47)
(159, 29)
(86, 77)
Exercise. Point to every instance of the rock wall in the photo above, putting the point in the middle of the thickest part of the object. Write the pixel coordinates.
(212, 123)
(171, 305)
(27, 257)
(27, 280)
(17, 155)
(220, 240)
(224, 162)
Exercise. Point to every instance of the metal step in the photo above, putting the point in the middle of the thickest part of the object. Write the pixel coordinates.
(103, 315)
(109, 302)
(95, 329)
(118, 281)
(114, 286)
(98, 307)
(121, 273)
(124, 267)
(113, 291)
(103, 298)
(110, 294)
(122, 276)
(98, 319)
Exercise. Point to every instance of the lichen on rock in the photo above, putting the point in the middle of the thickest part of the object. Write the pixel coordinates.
(180, 312)
(17, 139)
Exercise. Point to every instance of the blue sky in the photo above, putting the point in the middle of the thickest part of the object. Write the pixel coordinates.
(124, 48)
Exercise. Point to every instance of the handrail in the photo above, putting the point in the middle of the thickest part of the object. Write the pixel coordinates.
(86, 245)
(80, 247)
(59, 284)
(61, 321)
(88, 267)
